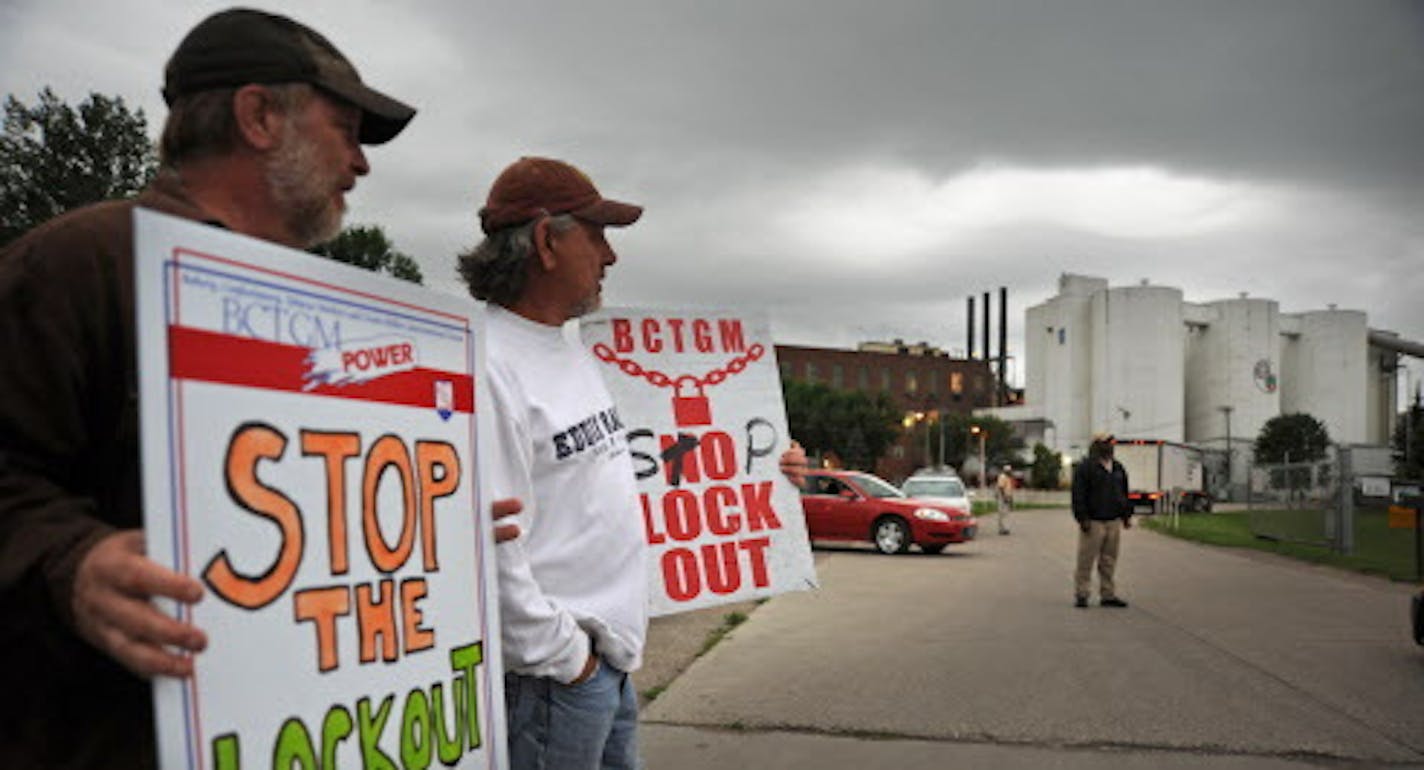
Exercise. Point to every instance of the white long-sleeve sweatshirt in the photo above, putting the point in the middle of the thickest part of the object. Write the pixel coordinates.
(576, 573)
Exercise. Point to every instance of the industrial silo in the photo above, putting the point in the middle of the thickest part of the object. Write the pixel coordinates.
(1138, 359)
(1234, 377)
(1325, 371)
(1058, 346)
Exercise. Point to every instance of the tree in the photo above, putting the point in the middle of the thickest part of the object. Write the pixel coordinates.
(856, 426)
(54, 158)
(1294, 437)
(1408, 441)
(366, 246)
(1046, 469)
(960, 443)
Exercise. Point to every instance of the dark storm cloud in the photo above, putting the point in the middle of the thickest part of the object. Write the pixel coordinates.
(859, 168)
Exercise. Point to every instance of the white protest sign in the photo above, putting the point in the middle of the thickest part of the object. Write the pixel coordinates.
(700, 395)
(308, 437)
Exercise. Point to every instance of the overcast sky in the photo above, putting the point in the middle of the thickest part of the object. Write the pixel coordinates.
(857, 169)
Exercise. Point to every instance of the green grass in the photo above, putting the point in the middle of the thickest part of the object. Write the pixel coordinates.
(1379, 550)
(729, 621)
(984, 507)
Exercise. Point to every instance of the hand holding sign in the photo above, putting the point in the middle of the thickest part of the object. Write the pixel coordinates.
(501, 509)
(793, 463)
(112, 588)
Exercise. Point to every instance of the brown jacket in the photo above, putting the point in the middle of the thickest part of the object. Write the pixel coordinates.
(69, 475)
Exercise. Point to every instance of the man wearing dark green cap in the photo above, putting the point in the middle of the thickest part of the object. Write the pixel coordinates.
(263, 137)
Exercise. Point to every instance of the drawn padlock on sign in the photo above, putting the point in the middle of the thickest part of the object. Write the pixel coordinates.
(690, 406)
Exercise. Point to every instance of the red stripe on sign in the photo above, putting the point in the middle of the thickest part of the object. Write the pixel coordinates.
(197, 354)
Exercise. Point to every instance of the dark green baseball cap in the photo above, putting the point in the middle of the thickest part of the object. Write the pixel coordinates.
(240, 46)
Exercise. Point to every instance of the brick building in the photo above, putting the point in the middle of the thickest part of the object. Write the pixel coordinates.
(918, 377)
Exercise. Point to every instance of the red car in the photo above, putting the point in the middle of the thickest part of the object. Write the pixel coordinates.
(851, 505)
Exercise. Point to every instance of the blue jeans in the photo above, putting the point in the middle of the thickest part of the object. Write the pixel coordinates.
(588, 726)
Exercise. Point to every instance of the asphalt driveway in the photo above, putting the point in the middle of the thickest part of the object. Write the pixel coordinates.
(976, 658)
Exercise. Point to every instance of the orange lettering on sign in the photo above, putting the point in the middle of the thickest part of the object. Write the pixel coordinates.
(250, 444)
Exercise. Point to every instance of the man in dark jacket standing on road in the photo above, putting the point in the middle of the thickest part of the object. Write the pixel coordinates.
(1101, 507)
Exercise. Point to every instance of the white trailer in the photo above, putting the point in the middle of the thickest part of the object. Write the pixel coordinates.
(1163, 475)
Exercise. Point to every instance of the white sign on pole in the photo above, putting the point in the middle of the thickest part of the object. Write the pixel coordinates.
(1374, 486)
(700, 395)
(308, 437)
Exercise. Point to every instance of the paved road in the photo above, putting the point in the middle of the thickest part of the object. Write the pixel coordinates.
(976, 658)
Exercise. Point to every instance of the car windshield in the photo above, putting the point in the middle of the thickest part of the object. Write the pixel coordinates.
(934, 488)
(875, 486)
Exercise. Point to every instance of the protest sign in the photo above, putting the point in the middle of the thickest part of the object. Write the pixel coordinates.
(700, 395)
(308, 435)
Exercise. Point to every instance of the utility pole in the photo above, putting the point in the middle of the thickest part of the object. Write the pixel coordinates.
(1227, 410)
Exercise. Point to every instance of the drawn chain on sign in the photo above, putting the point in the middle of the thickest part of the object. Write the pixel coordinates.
(690, 405)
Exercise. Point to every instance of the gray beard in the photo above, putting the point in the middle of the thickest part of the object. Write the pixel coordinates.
(588, 305)
(301, 191)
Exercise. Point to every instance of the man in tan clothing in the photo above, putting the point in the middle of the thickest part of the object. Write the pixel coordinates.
(1004, 489)
(1101, 507)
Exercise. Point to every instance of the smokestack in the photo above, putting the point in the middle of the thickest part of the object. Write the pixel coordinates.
(1003, 345)
(970, 354)
(987, 353)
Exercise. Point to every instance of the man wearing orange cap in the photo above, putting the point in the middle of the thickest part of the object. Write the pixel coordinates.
(573, 596)
(263, 137)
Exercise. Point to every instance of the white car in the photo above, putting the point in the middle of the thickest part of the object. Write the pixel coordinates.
(938, 488)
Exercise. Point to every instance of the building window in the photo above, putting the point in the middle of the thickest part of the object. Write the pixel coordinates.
(912, 381)
(933, 382)
(1062, 334)
(837, 376)
(862, 378)
(810, 372)
(885, 379)
(956, 383)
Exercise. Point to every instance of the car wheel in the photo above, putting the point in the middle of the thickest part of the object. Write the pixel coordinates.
(932, 549)
(891, 535)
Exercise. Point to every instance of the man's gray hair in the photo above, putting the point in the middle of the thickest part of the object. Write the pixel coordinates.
(497, 269)
(202, 124)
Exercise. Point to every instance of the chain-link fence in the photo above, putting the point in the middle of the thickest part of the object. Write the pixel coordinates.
(1296, 502)
(1341, 503)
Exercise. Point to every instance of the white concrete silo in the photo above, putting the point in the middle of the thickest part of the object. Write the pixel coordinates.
(1138, 390)
(1325, 370)
(1233, 377)
(1235, 361)
(1058, 344)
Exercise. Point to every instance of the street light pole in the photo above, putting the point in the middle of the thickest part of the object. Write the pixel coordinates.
(941, 440)
(983, 465)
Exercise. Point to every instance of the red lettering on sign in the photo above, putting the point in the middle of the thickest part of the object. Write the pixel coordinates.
(756, 500)
(654, 537)
(622, 335)
(679, 335)
(682, 515)
(718, 567)
(378, 357)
